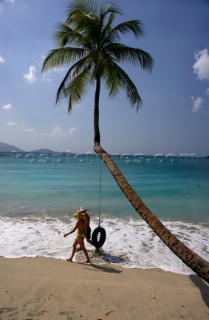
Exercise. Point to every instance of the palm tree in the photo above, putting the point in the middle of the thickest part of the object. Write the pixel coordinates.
(89, 40)
(90, 43)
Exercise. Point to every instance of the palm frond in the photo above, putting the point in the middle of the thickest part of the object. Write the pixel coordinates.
(114, 34)
(108, 9)
(76, 69)
(77, 87)
(66, 36)
(113, 83)
(135, 26)
(107, 15)
(130, 88)
(116, 78)
(125, 54)
(61, 89)
(59, 57)
(107, 26)
(85, 6)
(80, 10)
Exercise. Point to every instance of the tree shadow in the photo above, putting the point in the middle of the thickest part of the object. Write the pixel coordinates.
(103, 268)
(203, 287)
(106, 258)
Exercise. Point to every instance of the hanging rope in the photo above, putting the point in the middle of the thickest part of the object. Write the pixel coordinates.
(99, 234)
(100, 189)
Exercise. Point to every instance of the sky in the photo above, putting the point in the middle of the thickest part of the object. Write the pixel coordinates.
(174, 117)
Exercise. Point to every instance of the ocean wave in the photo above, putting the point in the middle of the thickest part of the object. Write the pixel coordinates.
(130, 242)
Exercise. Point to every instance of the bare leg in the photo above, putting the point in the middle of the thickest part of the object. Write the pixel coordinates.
(73, 251)
(87, 256)
(81, 242)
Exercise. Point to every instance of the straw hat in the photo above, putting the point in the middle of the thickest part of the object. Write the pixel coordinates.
(82, 209)
(79, 215)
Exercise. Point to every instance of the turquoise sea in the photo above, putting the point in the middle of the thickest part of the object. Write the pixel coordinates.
(39, 193)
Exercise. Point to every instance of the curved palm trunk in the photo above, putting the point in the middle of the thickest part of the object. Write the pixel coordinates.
(190, 258)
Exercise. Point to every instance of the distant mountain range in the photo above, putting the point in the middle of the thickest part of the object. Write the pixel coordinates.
(4, 148)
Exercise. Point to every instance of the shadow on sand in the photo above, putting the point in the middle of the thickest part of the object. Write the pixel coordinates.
(203, 287)
(103, 268)
(107, 259)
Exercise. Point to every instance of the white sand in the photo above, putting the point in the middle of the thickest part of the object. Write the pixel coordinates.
(43, 288)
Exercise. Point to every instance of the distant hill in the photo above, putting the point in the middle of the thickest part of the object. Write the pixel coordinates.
(4, 147)
(43, 151)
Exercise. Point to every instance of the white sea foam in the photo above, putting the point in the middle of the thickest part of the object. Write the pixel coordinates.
(130, 242)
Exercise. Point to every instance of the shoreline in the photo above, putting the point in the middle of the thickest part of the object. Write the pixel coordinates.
(143, 250)
(47, 288)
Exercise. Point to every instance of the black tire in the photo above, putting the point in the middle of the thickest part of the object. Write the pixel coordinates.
(98, 237)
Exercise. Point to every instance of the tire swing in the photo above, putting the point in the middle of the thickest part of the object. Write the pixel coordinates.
(99, 234)
(98, 237)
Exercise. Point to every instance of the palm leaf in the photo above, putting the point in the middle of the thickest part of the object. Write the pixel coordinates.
(59, 57)
(125, 54)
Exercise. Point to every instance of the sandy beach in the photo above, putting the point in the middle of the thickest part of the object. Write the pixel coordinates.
(46, 288)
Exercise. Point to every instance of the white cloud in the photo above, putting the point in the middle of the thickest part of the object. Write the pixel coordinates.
(71, 130)
(201, 66)
(30, 130)
(197, 103)
(12, 123)
(7, 107)
(58, 132)
(2, 59)
(1, 5)
(207, 92)
(30, 77)
(46, 77)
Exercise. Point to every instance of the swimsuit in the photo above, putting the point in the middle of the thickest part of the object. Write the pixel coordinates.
(80, 235)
